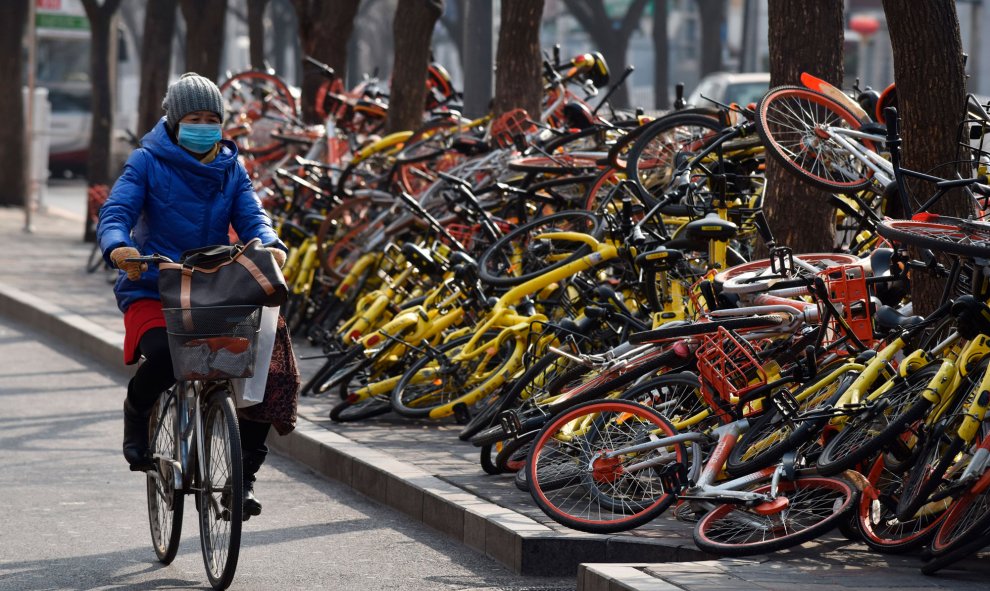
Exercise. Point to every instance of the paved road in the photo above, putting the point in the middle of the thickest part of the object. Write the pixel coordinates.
(73, 517)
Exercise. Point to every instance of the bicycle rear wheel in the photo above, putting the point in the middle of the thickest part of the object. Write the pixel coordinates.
(793, 123)
(812, 507)
(221, 494)
(165, 503)
(948, 235)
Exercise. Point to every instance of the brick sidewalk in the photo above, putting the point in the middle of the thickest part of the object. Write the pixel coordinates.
(49, 265)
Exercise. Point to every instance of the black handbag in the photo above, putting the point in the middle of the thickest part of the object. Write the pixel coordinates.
(238, 275)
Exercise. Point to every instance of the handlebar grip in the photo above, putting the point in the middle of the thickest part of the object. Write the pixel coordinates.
(890, 118)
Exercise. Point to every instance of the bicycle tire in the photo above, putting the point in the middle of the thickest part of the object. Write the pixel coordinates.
(514, 453)
(716, 531)
(165, 503)
(752, 277)
(954, 555)
(420, 373)
(571, 505)
(504, 256)
(949, 235)
(677, 396)
(876, 517)
(700, 328)
(937, 456)
(221, 494)
(651, 161)
(868, 434)
(772, 434)
(347, 411)
(790, 120)
(968, 516)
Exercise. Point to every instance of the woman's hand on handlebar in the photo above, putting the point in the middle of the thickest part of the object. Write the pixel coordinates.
(120, 257)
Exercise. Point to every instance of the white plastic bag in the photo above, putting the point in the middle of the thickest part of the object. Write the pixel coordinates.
(251, 391)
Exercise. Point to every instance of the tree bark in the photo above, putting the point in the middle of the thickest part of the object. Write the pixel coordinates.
(156, 61)
(325, 27)
(925, 40)
(800, 215)
(413, 32)
(256, 32)
(13, 144)
(204, 35)
(712, 14)
(610, 35)
(518, 61)
(103, 41)
(661, 49)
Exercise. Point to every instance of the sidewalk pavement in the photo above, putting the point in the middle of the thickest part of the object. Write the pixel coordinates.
(421, 469)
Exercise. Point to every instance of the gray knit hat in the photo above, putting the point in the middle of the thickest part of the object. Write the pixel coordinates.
(191, 92)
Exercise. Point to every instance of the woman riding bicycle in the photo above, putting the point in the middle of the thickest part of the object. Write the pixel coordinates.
(182, 189)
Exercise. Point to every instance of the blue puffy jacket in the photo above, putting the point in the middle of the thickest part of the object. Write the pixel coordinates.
(166, 202)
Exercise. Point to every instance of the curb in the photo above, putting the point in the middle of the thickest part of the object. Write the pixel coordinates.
(515, 540)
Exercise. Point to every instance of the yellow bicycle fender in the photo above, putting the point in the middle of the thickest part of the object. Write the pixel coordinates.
(385, 143)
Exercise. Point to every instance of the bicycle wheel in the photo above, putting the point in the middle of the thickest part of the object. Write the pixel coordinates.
(435, 379)
(518, 256)
(775, 433)
(756, 276)
(677, 396)
(165, 503)
(948, 235)
(942, 449)
(876, 516)
(576, 481)
(652, 160)
(221, 494)
(967, 519)
(259, 103)
(804, 508)
(794, 124)
(884, 420)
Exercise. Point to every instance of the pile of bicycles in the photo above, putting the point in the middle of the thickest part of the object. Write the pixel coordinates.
(582, 294)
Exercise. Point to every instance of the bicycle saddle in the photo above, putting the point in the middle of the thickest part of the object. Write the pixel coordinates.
(462, 258)
(711, 227)
(972, 317)
(421, 259)
(887, 318)
(293, 234)
(661, 259)
(312, 222)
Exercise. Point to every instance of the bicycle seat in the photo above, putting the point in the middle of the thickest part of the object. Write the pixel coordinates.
(462, 258)
(887, 318)
(662, 259)
(421, 259)
(874, 128)
(972, 317)
(312, 222)
(711, 227)
(293, 234)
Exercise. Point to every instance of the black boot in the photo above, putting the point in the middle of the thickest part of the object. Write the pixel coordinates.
(252, 463)
(136, 450)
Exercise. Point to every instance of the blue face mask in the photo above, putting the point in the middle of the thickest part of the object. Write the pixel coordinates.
(199, 137)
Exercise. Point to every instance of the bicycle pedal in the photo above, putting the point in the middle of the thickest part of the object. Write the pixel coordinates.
(510, 423)
(786, 404)
(461, 413)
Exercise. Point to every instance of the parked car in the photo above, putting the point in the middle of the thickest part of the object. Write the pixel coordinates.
(70, 127)
(727, 87)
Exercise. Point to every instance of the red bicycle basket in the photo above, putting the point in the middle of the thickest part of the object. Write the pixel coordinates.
(509, 126)
(848, 292)
(728, 365)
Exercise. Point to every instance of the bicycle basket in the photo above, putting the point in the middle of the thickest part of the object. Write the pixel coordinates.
(213, 343)
(728, 365)
(848, 292)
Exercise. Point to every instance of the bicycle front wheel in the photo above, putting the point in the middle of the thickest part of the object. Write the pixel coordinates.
(804, 508)
(221, 491)
(796, 126)
(165, 503)
(948, 235)
(580, 476)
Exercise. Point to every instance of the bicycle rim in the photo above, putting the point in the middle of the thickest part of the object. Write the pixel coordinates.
(876, 515)
(814, 506)
(576, 484)
(959, 237)
(221, 491)
(165, 504)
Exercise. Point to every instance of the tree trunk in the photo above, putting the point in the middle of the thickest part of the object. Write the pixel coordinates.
(13, 144)
(477, 56)
(204, 35)
(712, 14)
(256, 32)
(925, 39)
(102, 52)
(325, 27)
(800, 215)
(661, 49)
(412, 31)
(156, 60)
(518, 61)
(610, 35)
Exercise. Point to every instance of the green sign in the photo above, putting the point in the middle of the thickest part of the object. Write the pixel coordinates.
(61, 21)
